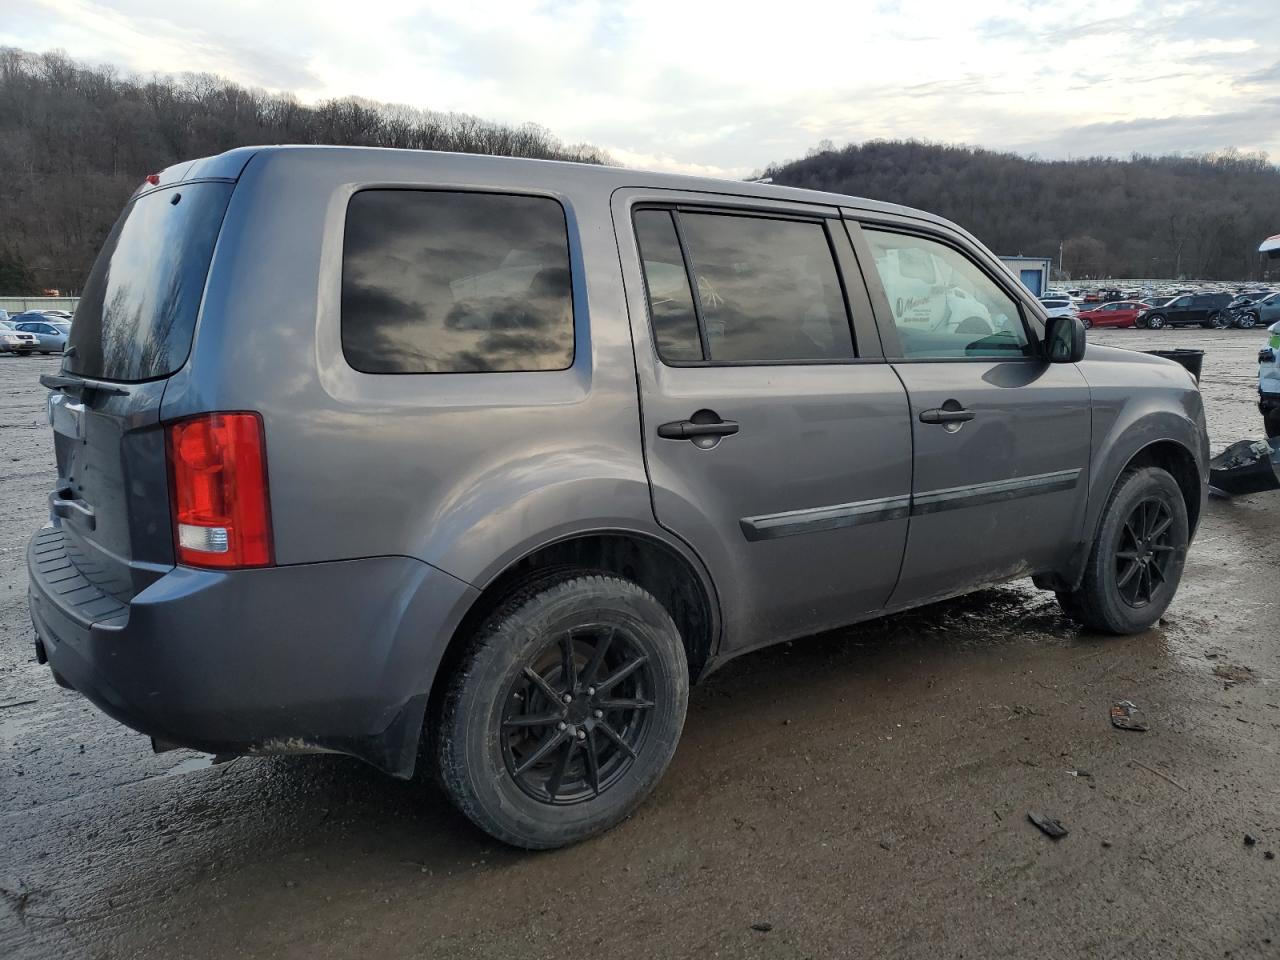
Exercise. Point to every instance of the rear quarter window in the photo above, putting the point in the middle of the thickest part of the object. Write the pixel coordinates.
(438, 281)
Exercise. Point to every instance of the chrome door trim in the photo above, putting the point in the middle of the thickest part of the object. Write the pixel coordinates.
(771, 526)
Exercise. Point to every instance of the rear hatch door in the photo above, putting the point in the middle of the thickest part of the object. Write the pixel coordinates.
(133, 329)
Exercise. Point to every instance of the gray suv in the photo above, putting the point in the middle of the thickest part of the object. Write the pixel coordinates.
(526, 448)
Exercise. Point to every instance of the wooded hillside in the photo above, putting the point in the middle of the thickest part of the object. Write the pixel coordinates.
(75, 142)
(1198, 217)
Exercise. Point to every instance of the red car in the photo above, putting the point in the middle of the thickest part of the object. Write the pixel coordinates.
(1122, 313)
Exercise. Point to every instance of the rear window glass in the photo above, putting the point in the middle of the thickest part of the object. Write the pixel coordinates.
(450, 282)
(138, 311)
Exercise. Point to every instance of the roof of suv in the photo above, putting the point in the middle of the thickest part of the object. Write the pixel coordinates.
(229, 166)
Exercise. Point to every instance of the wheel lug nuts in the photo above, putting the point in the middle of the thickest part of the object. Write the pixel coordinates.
(568, 698)
(582, 734)
(591, 691)
(599, 714)
(561, 725)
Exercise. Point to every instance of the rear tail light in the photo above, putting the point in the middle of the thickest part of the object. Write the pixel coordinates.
(218, 491)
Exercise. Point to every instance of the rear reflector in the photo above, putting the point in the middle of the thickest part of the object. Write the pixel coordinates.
(218, 489)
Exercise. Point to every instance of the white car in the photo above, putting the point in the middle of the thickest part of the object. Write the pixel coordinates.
(1059, 306)
(16, 341)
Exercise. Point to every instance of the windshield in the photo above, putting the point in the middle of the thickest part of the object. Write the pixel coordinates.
(138, 313)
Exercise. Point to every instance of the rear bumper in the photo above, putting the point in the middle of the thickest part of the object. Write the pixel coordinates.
(325, 657)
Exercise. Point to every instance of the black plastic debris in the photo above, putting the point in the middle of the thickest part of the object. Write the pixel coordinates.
(762, 927)
(1250, 840)
(1247, 466)
(1126, 715)
(1193, 360)
(1048, 825)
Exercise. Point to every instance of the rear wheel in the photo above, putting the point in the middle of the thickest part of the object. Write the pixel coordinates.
(1088, 324)
(1219, 320)
(564, 712)
(1136, 561)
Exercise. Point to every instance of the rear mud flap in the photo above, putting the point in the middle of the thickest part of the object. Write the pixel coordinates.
(1248, 466)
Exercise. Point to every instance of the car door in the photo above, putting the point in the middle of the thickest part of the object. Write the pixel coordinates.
(44, 333)
(776, 438)
(1001, 436)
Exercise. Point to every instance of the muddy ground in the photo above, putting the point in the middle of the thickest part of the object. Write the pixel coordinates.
(863, 793)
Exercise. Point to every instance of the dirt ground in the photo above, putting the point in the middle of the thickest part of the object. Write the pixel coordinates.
(862, 793)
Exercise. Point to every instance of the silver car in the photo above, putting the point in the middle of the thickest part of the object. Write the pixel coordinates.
(51, 334)
(529, 447)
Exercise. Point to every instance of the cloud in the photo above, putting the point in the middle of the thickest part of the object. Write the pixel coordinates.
(726, 95)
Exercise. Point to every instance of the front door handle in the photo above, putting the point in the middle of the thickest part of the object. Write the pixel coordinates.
(944, 416)
(690, 430)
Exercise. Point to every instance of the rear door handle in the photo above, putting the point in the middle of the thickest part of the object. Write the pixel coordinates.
(939, 415)
(688, 430)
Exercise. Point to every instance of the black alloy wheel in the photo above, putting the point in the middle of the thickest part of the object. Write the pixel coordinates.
(1146, 553)
(1219, 320)
(576, 717)
(563, 710)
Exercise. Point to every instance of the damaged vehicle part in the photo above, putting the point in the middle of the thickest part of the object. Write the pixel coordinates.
(1247, 466)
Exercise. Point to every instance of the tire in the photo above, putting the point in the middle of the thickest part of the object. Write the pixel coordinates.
(531, 784)
(1219, 320)
(1155, 322)
(1088, 324)
(1108, 600)
(1271, 421)
(1246, 321)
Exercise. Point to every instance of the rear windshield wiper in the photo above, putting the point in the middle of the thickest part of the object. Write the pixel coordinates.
(78, 386)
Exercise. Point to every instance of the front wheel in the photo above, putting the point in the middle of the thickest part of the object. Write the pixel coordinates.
(1246, 321)
(564, 712)
(1156, 322)
(1136, 561)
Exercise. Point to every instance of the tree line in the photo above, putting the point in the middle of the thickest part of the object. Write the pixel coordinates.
(76, 140)
(1195, 217)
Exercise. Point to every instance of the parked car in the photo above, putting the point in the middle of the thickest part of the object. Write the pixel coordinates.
(51, 333)
(1263, 312)
(1123, 313)
(13, 340)
(498, 511)
(1057, 306)
(58, 315)
(1200, 309)
(4, 315)
(1245, 299)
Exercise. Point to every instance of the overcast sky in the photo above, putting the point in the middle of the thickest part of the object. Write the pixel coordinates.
(723, 88)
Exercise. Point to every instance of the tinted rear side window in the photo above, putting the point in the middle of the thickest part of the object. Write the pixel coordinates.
(137, 315)
(449, 282)
(675, 321)
(767, 289)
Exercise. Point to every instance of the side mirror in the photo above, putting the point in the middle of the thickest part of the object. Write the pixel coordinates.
(1064, 339)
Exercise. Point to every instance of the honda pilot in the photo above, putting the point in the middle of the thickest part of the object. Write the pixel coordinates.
(527, 448)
